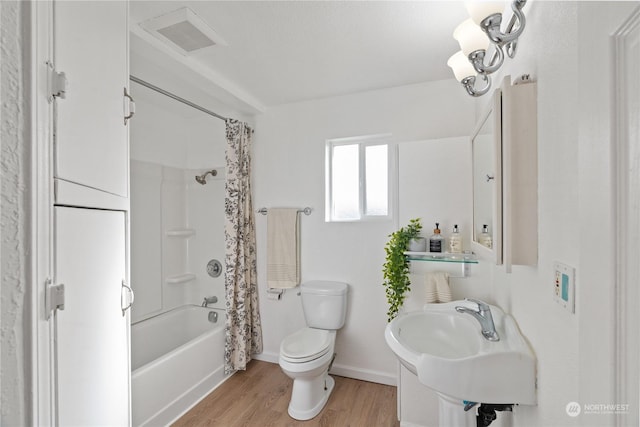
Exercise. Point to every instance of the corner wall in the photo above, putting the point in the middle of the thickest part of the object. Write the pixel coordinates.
(566, 49)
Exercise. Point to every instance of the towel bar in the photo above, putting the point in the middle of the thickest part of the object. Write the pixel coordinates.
(306, 211)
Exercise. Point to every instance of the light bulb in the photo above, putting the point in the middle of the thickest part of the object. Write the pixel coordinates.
(470, 37)
(461, 66)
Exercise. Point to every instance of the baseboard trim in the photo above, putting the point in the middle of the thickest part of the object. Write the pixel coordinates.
(408, 424)
(266, 357)
(343, 371)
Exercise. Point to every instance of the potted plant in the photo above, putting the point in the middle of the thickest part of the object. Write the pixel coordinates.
(396, 266)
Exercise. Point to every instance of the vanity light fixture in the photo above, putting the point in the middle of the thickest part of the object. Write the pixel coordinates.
(467, 75)
(480, 34)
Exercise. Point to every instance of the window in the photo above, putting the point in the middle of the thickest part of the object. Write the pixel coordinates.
(358, 174)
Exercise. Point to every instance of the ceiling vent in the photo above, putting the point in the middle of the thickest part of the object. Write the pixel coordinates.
(183, 30)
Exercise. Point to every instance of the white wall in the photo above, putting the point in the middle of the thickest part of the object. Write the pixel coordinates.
(566, 49)
(14, 216)
(527, 292)
(435, 185)
(596, 193)
(289, 171)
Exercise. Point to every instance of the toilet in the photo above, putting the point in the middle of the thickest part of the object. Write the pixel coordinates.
(306, 355)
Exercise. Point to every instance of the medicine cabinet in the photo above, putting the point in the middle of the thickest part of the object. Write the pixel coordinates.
(505, 176)
(486, 152)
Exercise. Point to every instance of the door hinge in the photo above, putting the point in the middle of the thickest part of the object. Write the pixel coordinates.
(58, 83)
(54, 298)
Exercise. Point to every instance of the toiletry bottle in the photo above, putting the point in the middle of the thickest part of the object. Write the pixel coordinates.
(485, 238)
(455, 241)
(435, 241)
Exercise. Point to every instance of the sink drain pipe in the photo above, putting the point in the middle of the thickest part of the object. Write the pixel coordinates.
(487, 413)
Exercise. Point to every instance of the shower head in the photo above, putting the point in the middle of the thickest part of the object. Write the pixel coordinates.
(202, 179)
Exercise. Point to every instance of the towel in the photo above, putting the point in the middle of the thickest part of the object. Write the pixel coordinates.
(438, 289)
(283, 254)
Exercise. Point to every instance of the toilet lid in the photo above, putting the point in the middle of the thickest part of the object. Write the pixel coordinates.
(306, 344)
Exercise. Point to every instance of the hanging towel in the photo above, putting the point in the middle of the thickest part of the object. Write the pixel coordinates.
(283, 254)
(437, 284)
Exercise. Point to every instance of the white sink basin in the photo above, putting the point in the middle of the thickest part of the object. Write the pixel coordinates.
(448, 353)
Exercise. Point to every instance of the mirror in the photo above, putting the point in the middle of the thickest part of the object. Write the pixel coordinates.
(486, 148)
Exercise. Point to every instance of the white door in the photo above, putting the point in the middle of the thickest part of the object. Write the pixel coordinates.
(92, 335)
(90, 47)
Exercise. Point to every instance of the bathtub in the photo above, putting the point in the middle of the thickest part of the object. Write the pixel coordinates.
(177, 358)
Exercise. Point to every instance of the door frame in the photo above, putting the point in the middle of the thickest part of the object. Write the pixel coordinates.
(627, 203)
(42, 363)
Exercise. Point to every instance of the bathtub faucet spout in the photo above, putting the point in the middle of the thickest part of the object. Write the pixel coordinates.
(209, 300)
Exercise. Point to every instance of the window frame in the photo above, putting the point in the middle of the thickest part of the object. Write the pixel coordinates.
(363, 142)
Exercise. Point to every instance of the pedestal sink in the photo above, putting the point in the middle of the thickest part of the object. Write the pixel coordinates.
(448, 353)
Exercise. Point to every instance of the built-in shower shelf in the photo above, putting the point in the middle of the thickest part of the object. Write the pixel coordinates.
(181, 232)
(180, 278)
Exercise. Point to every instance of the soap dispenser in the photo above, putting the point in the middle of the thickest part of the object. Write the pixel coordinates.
(435, 241)
(455, 241)
(485, 238)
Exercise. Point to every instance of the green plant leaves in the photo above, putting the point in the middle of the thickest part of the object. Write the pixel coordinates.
(395, 269)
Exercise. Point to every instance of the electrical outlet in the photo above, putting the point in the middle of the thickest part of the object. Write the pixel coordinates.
(564, 286)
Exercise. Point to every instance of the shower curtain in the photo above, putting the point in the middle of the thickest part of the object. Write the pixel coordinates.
(243, 331)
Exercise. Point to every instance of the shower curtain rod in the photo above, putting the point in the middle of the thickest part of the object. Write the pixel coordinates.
(176, 97)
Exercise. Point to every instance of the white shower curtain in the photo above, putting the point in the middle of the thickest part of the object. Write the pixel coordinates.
(243, 331)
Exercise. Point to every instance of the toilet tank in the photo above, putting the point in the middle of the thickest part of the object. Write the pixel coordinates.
(324, 304)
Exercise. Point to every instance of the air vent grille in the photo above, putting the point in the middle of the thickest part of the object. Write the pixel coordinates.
(183, 30)
(187, 36)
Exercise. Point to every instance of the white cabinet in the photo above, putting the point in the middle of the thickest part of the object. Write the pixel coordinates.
(91, 137)
(505, 177)
(92, 338)
(520, 173)
(91, 170)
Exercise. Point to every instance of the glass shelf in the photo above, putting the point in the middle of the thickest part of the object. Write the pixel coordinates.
(464, 258)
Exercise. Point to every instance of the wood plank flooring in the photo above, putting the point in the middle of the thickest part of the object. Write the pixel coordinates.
(260, 396)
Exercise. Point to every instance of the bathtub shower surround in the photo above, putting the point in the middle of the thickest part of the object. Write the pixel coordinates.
(243, 331)
(176, 360)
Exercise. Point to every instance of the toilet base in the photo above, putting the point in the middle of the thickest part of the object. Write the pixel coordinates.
(309, 395)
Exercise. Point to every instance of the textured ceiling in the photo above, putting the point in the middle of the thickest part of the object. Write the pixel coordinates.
(289, 51)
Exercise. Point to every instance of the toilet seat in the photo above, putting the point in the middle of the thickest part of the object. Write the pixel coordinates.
(306, 344)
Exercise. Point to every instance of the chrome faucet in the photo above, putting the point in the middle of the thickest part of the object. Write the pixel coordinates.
(209, 300)
(482, 315)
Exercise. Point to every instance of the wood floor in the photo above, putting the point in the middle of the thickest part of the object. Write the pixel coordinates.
(260, 396)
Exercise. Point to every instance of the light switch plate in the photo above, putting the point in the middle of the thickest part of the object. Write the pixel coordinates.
(564, 288)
